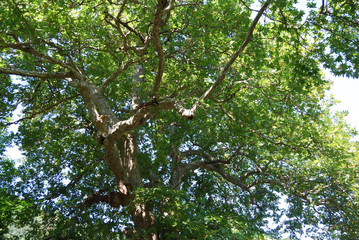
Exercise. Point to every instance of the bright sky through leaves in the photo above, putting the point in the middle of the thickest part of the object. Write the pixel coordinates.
(346, 91)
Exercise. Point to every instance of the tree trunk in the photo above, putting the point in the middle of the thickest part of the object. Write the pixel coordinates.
(121, 155)
(142, 215)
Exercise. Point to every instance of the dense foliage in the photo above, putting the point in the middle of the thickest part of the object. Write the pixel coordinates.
(179, 119)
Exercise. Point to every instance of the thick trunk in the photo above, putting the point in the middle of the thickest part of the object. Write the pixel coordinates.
(128, 178)
(121, 154)
(144, 219)
(142, 214)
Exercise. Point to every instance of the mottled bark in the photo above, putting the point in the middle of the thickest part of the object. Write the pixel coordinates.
(120, 150)
(142, 215)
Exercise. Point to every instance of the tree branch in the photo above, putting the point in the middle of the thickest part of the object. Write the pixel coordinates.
(235, 180)
(114, 199)
(118, 21)
(282, 183)
(161, 4)
(137, 80)
(233, 58)
(215, 166)
(115, 74)
(238, 181)
(74, 181)
(35, 74)
(137, 119)
(145, 111)
(42, 111)
(26, 47)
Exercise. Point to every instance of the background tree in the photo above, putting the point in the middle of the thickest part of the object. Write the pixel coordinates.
(180, 119)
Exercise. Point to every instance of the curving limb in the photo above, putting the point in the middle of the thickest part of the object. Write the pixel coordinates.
(220, 79)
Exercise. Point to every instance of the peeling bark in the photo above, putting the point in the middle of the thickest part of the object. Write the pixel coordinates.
(120, 150)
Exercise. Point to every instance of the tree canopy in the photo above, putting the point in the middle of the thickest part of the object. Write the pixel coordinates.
(177, 119)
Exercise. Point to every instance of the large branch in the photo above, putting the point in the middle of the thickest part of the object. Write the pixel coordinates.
(233, 58)
(118, 23)
(161, 4)
(215, 168)
(169, 7)
(213, 164)
(35, 74)
(137, 80)
(238, 181)
(27, 48)
(235, 180)
(145, 111)
(99, 109)
(136, 120)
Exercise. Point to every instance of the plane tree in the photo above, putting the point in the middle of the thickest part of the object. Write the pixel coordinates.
(180, 119)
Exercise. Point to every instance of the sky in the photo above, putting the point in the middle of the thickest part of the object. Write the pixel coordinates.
(346, 90)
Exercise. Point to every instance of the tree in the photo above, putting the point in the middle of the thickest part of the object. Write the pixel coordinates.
(180, 119)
